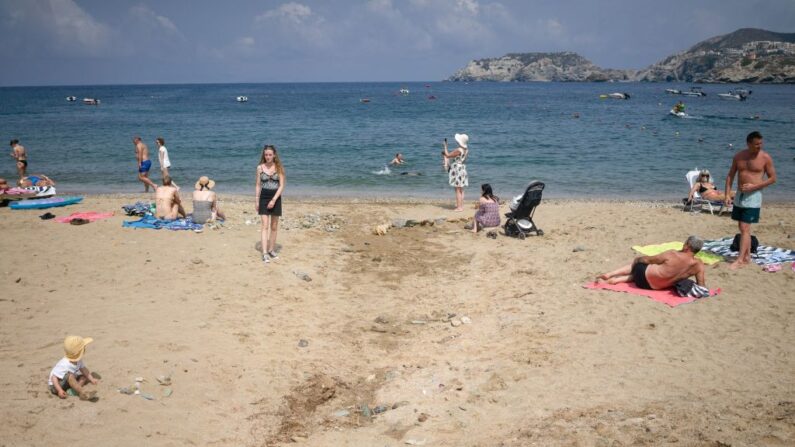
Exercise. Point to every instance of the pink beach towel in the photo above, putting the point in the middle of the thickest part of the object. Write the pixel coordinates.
(667, 296)
(90, 216)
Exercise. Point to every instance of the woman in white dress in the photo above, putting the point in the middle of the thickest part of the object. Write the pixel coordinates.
(457, 170)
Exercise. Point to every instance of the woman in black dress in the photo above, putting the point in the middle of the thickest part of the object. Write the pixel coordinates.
(270, 184)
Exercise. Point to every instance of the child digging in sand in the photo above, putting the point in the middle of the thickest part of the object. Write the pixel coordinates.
(70, 372)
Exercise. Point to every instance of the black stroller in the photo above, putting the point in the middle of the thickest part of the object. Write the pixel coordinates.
(520, 219)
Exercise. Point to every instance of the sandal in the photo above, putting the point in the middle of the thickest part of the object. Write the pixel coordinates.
(273, 255)
(265, 258)
(79, 221)
(772, 268)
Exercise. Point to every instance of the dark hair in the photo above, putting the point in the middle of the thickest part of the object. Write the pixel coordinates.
(487, 192)
(13, 142)
(160, 140)
(755, 135)
(166, 180)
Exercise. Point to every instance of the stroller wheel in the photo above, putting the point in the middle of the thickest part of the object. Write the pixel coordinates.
(521, 235)
(540, 232)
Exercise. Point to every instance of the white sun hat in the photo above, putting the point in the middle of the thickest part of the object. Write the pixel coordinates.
(462, 139)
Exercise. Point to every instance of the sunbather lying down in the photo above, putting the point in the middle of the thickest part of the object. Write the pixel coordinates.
(36, 180)
(707, 189)
(661, 271)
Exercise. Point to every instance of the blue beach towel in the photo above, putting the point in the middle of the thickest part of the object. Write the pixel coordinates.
(154, 223)
(764, 254)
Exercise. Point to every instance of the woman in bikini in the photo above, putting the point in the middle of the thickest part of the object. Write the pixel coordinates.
(706, 189)
(270, 184)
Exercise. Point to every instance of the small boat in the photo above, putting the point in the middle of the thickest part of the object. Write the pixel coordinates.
(71, 98)
(364, 100)
(678, 114)
(617, 95)
(427, 85)
(741, 91)
(242, 99)
(404, 91)
(673, 91)
(732, 96)
(431, 97)
(91, 101)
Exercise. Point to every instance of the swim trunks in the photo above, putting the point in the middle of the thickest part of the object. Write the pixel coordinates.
(746, 207)
(33, 179)
(24, 162)
(146, 165)
(639, 276)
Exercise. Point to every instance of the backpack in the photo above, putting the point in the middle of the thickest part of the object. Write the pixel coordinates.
(735, 246)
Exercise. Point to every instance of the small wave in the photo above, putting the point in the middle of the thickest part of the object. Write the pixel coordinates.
(384, 171)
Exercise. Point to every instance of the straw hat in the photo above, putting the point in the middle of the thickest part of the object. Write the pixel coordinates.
(462, 139)
(75, 346)
(204, 180)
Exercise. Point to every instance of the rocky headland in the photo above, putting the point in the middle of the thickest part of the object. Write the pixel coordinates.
(747, 55)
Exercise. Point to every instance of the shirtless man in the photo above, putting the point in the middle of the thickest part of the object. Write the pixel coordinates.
(750, 166)
(19, 154)
(144, 164)
(169, 205)
(661, 271)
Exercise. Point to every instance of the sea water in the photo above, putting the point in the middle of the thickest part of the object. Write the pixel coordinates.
(334, 144)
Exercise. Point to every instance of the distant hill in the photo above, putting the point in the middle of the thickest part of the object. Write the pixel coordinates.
(561, 67)
(747, 55)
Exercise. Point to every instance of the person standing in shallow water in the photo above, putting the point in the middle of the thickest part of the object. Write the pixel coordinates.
(457, 173)
(270, 185)
(144, 163)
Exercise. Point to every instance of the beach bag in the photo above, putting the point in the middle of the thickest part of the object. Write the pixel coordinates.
(689, 288)
(735, 246)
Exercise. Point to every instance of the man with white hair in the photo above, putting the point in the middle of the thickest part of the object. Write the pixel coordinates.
(663, 270)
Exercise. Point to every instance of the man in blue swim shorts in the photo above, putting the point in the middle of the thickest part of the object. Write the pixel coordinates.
(144, 163)
(751, 166)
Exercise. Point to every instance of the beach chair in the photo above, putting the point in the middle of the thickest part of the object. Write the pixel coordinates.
(698, 202)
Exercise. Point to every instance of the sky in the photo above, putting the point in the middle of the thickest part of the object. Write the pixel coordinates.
(83, 42)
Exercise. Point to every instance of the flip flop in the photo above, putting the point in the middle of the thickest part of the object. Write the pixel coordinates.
(79, 221)
(772, 268)
(47, 216)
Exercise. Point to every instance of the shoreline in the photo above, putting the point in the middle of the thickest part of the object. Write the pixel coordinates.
(419, 200)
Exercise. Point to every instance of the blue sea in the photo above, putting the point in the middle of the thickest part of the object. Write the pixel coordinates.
(332, 144)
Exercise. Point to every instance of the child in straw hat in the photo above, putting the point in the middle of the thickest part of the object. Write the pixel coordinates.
(70, 372)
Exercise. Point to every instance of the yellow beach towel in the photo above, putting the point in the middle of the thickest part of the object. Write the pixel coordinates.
(651, 250)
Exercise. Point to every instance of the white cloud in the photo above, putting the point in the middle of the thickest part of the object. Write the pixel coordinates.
(76, 30)
(292, 12)
(153, 20)
(470, 7)
(246, 41)
(553, 27)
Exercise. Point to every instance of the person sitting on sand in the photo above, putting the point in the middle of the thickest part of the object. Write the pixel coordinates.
(661, 271)
(707, 189)
(70, 372)
(398, 160)
(488, 214)
(167, 200)
(3, 184)
(36, 180)
(205, 202)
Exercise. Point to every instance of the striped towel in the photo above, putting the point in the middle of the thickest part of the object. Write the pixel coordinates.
(764, 254)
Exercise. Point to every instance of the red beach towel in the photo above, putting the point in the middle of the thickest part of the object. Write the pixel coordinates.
(90, 216)
(667, 296)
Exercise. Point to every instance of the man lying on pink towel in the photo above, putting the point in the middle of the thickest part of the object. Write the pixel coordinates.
(663, 270)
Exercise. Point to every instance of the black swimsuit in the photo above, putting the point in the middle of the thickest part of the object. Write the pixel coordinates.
(639, 276)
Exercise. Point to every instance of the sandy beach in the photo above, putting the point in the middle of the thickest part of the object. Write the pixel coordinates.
(290, 352)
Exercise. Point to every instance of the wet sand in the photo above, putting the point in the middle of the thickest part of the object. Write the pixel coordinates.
(259, 355)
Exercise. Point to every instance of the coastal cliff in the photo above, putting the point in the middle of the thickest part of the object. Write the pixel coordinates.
(518, 67)
(747, 55)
